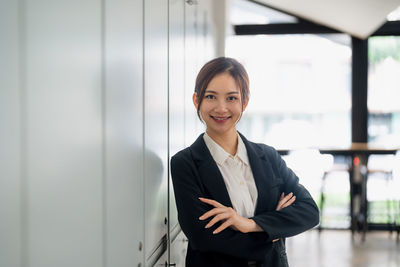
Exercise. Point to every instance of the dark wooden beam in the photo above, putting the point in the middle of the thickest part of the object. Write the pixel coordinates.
(389, 28)
(283, 28)
(359, 113)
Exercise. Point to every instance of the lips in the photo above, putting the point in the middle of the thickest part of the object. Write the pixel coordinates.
(220, 119)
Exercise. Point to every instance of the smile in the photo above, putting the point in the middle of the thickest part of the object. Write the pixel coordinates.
(220, 119)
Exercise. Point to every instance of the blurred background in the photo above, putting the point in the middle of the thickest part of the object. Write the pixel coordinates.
(95, 97)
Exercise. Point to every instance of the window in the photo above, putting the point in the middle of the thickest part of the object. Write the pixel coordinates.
(384, 91)
(299, 86)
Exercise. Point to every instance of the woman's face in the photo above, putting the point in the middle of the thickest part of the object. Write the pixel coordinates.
(222, 106)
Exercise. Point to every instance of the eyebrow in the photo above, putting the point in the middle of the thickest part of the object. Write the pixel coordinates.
(230, 93)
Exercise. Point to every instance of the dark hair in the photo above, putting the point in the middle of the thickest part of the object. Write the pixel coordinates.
(218, 66)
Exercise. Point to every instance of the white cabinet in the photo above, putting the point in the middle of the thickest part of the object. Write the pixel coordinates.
(176, 90)
(123, 133)
(62, 144)
(178, 250)
(94, 98)
(155, 124)
(10, 137)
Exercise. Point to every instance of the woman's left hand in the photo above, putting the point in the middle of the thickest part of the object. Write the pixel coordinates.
(229, 217)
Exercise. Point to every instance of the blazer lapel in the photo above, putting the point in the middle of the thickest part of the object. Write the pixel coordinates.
(262, 172)
(209, 172)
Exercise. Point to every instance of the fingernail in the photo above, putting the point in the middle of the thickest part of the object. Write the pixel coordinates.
(291, 193)
(215, 232)
(201, 218)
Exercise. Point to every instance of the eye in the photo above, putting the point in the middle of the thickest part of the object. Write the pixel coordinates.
(209, 96)
(232, 98)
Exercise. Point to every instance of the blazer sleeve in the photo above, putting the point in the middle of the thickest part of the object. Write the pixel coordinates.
(188, 188)
(302, 215)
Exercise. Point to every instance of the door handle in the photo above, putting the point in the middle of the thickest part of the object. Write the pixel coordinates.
(192, 2)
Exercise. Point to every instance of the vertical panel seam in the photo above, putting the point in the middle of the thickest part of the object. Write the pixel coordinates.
(184, 74)
(168, 137)
(24, 219)
(143, 130)
(103, 131)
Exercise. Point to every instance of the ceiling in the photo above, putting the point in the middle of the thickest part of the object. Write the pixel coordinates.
(359, 18)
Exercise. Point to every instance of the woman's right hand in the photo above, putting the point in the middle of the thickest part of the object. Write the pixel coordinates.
(284, 201)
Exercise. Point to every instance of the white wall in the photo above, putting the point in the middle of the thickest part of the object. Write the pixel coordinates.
(95, 96)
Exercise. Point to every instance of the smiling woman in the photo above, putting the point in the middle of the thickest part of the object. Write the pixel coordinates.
(221, 106)
(237, 201)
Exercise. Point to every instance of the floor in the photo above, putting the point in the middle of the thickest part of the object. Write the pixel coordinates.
(335, 248)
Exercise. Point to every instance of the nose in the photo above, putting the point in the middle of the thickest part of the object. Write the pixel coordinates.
(221, 107)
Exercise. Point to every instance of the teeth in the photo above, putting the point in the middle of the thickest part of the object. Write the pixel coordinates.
(220, 119)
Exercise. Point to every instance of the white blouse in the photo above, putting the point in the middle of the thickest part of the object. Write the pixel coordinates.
(237, 175)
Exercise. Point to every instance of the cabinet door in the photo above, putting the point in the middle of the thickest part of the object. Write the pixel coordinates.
(155, 125)
(178, 250)
(192, 123)
(63, 143)
(124, 197)
(176, 92)
(10, 136)
(162, 261)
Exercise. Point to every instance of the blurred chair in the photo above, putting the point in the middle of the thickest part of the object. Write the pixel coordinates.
(394, 185)
(382, 206)
(307, 164)
(330, 168)
(396, 182)
(311, 166)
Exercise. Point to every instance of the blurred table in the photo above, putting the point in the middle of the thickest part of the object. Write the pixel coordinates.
(359, 153)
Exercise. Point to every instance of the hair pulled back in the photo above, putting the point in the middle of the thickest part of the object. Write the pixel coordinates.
(218, 66)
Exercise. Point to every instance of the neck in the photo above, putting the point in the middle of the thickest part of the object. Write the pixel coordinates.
(228, 140)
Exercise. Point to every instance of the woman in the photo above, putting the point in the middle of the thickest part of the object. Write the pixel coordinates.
(237, 201)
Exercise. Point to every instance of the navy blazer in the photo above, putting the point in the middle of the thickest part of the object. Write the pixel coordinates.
(195, 174)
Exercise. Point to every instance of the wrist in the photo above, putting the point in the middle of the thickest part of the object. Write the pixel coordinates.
(253, 226)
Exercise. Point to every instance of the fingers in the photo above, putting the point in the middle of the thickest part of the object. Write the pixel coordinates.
(219, 217)
(212, 212)
(289, 202)
(285, 201)
(275, 240)
(211, 202)
(287, 197)
(223, 226)
(221, 213)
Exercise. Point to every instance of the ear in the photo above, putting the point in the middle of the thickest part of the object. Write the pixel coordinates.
(195, 100)
(245, 104)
